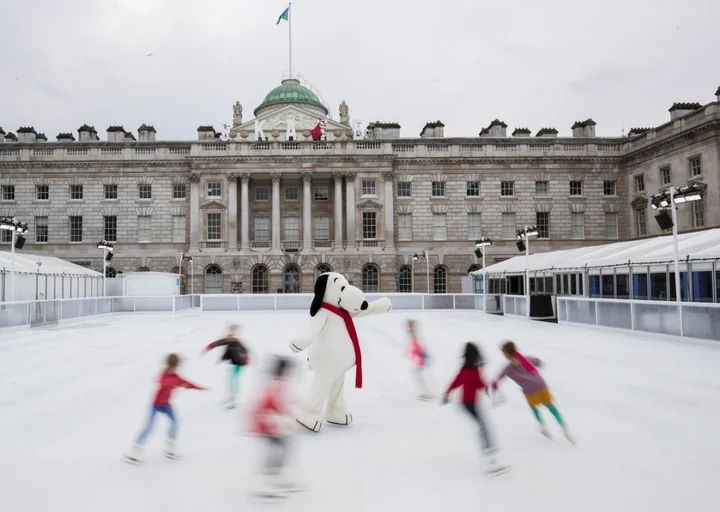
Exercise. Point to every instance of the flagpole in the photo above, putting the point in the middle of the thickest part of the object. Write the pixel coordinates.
(290, 35)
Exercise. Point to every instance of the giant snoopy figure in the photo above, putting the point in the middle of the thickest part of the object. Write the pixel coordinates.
(333, 348)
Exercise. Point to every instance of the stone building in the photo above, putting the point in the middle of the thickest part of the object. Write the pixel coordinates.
(292, 193)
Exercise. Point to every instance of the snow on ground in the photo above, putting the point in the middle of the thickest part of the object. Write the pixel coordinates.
(645, 412)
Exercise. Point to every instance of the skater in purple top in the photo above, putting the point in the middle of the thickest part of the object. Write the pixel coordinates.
(522, 369)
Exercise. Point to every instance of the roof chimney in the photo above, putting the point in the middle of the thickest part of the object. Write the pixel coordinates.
(584, 128)
(433, 129)
(65, 137)
(10, 137)
(547, 132)
(206, 133)
(87, 133)
(681, 109)
(26, 134)
(717, 94)
(146, 133)
(521, 132)
(116, 134)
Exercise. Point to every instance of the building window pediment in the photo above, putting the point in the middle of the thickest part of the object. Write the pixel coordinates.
(639, 202)
(369, 205)
(213, 205)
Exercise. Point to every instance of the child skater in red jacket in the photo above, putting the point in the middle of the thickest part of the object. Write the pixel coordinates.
(169, 380)
(471, 380)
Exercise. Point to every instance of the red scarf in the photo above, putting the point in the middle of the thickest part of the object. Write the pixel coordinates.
(525, 363)
(345, 315)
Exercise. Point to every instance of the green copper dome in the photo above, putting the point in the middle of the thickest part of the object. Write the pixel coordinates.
(291, 92)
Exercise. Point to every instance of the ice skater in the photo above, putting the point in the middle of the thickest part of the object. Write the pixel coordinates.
(169, 380)
(418, 360)
(522, 370)
(237, 355)
(471, 380)
(272, 419)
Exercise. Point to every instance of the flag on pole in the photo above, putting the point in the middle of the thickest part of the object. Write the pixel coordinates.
(284, 16)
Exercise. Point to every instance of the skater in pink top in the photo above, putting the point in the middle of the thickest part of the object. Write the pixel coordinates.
(418, 360)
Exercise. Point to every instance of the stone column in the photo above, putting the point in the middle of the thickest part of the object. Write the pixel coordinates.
(307, 211)
(350, 207)
(275, 210)
(194, 212)
(232, 211)
(338, 210)
(245, 212)
(389, 208)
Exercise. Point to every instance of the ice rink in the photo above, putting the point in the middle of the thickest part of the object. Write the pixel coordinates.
(645, 412)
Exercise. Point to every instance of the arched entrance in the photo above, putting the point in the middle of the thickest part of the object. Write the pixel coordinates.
(213, 279)
(291, 279)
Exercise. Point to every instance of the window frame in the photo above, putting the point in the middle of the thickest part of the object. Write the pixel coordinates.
(175, 230)
(576, 188)
(40, 230)
(507, 189)
(663, 175)
(215, 226)
(606, 184)
(437, 189)
(144, 229)
(75, 230)
(144, 189)
(472, 189)
(573, 216)
(319, 195)
(214, 189)
(543, 226)
(107, 229)
(405, 190)
(42, 190)
(77, 193)
(368, 188)
(538, 188)
(262, 193)
(437, 226)
(179, 191)
(405, 231)
(369, 227)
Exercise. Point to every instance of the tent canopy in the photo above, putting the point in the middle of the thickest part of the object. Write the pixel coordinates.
(50, 265)
(700, 245)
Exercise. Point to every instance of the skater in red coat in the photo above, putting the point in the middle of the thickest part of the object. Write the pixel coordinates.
(169, 380)
(418, 359)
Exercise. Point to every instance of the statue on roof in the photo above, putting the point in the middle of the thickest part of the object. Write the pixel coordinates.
(237, 113)
(344, 113)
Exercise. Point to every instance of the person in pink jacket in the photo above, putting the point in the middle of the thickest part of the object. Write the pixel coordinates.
(418, 360)
(523, 371)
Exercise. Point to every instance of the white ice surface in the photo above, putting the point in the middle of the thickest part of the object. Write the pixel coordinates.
(645, 412)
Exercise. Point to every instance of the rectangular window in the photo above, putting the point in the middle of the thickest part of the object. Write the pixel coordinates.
(41, 230)
(640, 222)
(369, 226)
(507, 188)
(214, 189)
(145, 191)
(144, 228)
(699, 213)
(322, 228)
(404, 227)
(472, 188)
(665, 177)
(576, 188)
(8, 192)
(321, 193)
(695, 166)
(639, 183)
(110, 191)
(508, 226)
(262, 193)
(178, 229)
(542, 221)
(110, 228)
(179, 191)
(474, 226)
(404, 189)
(609, 188)
(368, 188)
(542, 188)
(438, 189)
(578, 224)
(292, 194)
(42, 192)
(76, 192)
(214, 230)
(439, 226)
(611, 225)
(6, 236)
(262, 229)
(291, 228)
(76, 229)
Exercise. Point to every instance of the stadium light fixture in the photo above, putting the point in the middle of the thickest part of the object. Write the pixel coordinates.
(17, 229)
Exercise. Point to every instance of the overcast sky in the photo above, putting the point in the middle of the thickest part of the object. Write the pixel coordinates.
(465, 62)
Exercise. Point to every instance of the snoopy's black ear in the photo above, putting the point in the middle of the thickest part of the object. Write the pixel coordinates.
(320, 286)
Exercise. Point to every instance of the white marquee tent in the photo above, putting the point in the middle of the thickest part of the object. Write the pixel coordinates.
(46, 277)
(700, 247)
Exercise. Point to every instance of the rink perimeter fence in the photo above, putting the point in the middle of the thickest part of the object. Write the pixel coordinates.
(48, 312)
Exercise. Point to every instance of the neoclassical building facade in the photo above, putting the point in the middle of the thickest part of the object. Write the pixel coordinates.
(292, 193)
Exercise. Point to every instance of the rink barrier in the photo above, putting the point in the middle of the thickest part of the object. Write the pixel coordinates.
(48, 312)
(700, 320)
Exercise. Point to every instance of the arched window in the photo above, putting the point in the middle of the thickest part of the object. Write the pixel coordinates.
(323, 268)
(260, 279)
(110, 272)
(405, 279)
(291, 279)
(440, 279)
(213, 279)
(143, 269)
(473, 268)
(370, 278)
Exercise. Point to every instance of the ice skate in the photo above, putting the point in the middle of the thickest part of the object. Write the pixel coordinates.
(229, 403)
(135, 455)
(170, 450)
(267, 487)
(544, 431)
(569, 436)
(338, 417)
(494, 468)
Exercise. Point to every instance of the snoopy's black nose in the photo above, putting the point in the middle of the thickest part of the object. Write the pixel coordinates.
(364, 305)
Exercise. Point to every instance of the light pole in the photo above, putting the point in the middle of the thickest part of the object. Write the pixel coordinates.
(107, 250)
(16, 228)
(523, 236)
(482, 242)
(412, 278)
(427, 268)
(670, 198)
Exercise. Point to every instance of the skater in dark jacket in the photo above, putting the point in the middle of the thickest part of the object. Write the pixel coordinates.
(471, 380)
(236, 354)
(169, 380)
